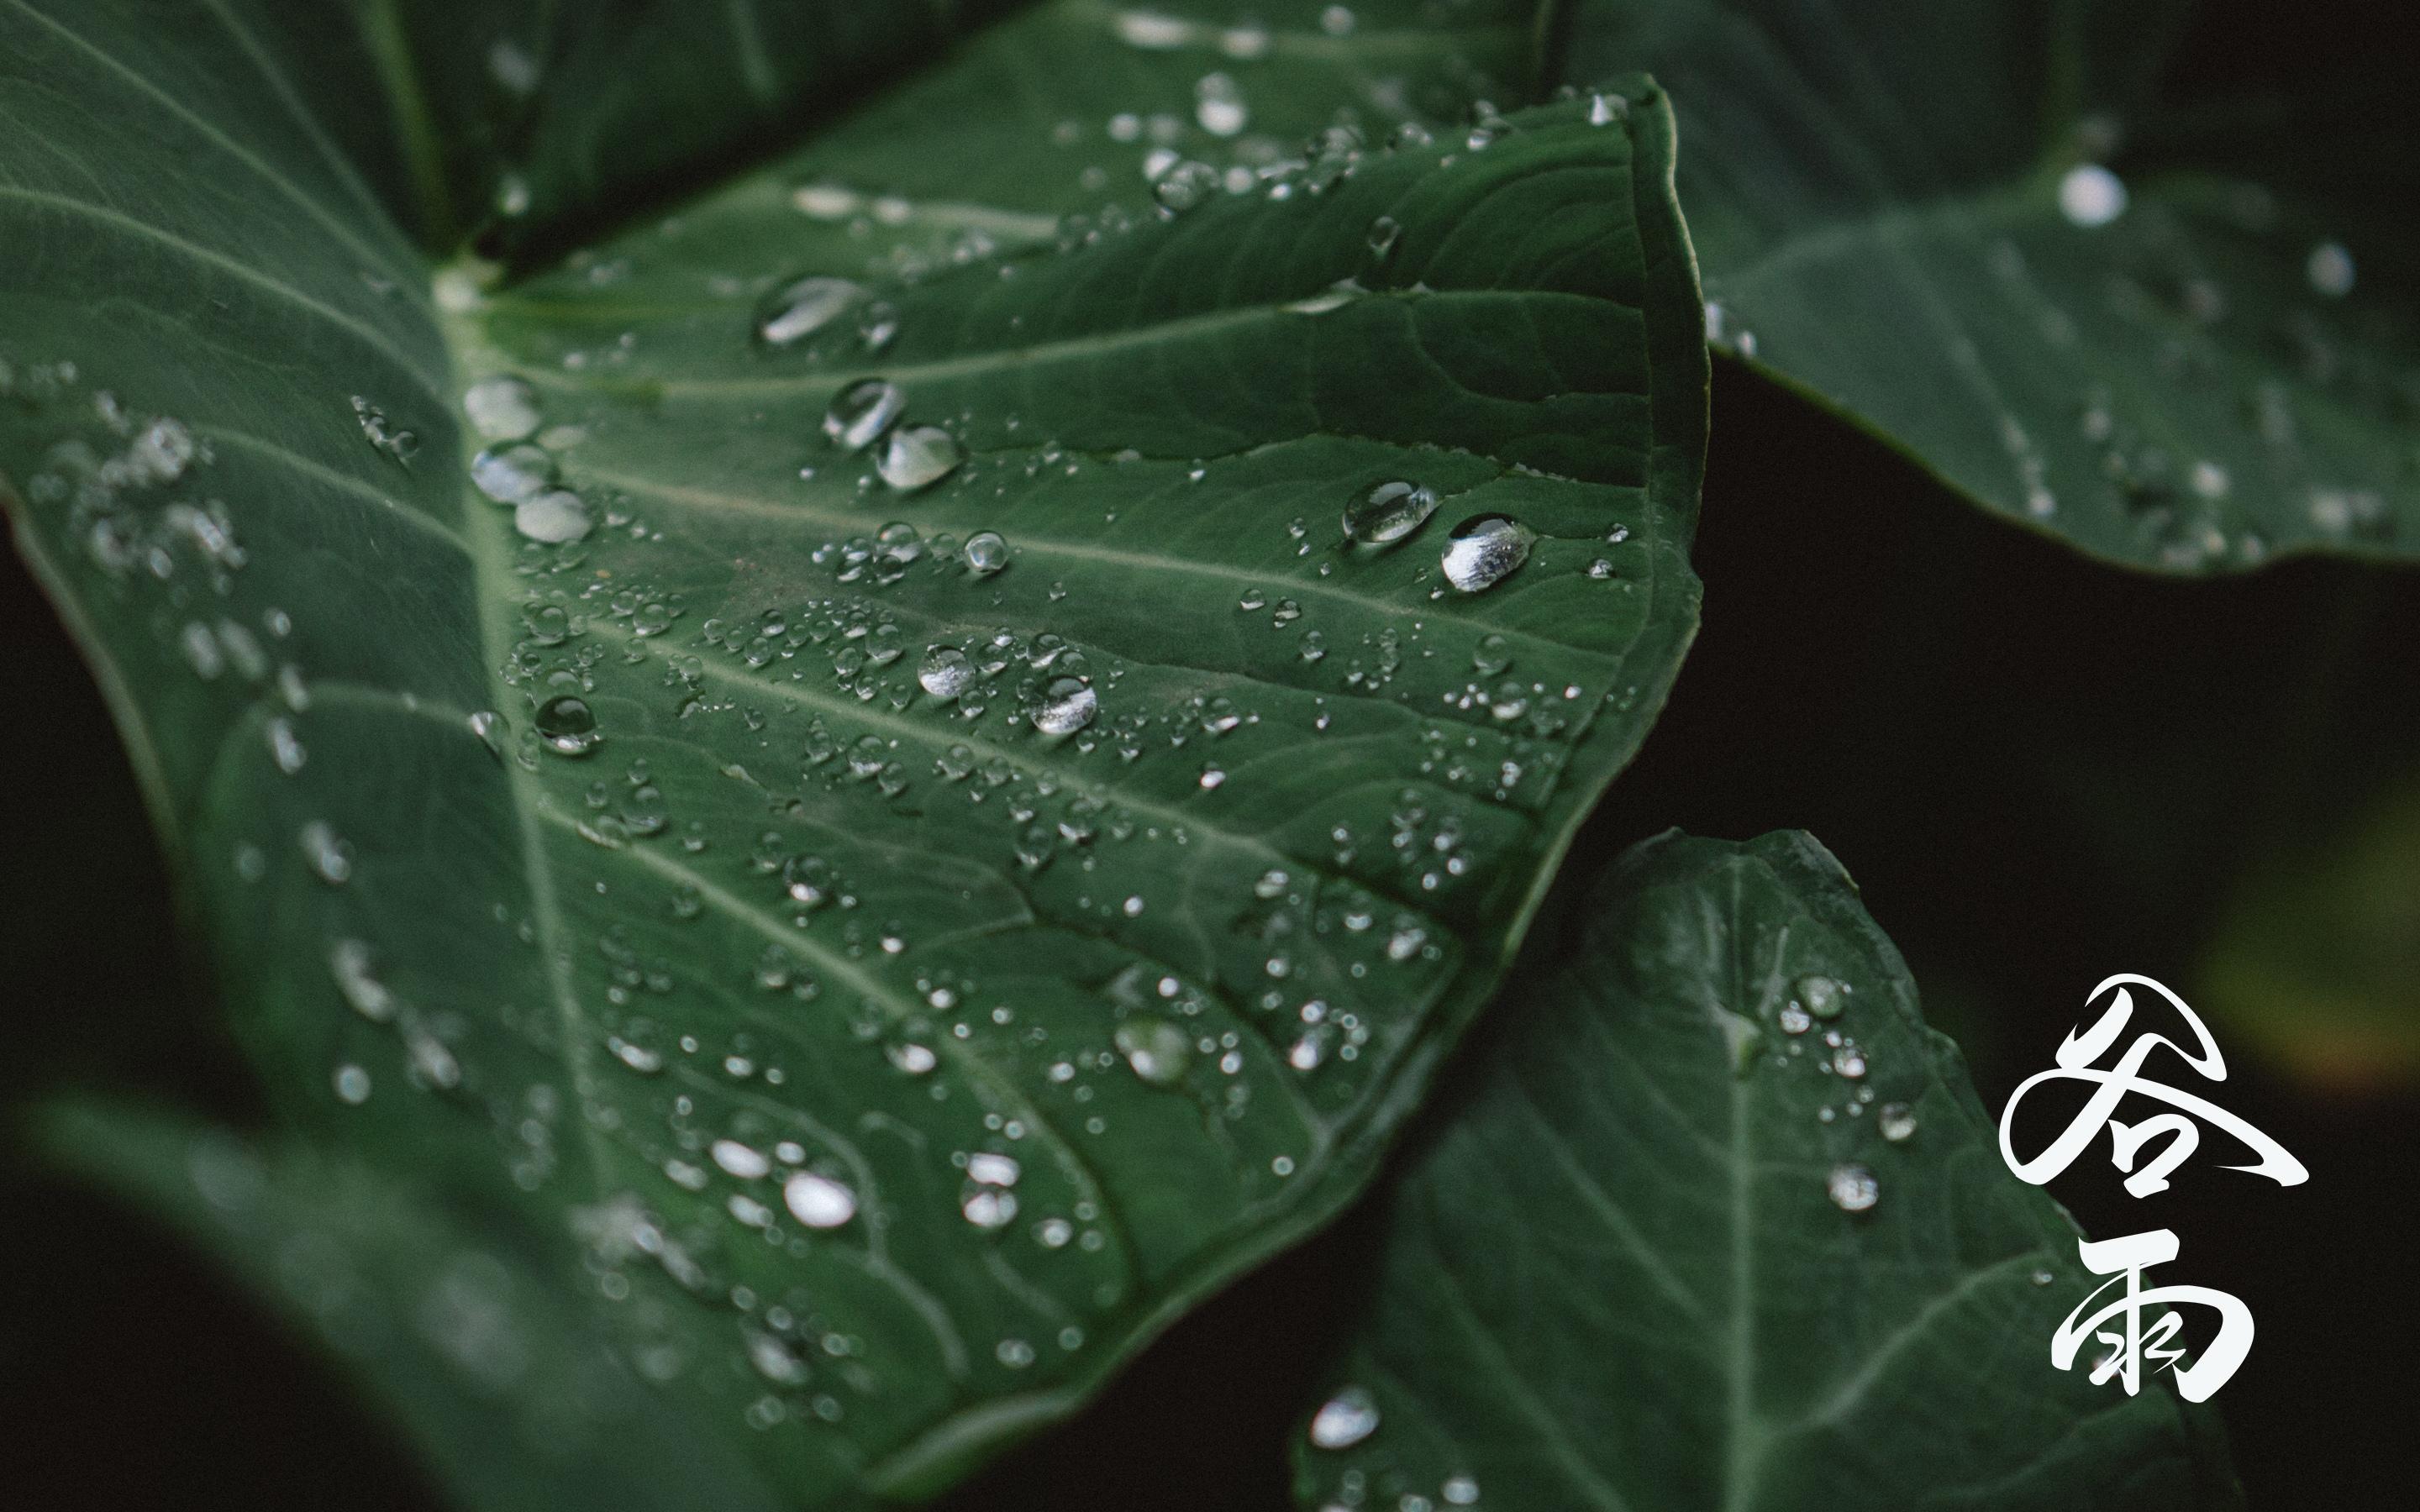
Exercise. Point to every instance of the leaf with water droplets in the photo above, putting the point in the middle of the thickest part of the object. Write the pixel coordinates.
(906, 908)
(2171, 327)
(1653, 1254)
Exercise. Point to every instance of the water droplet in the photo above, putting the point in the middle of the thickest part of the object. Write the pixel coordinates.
(1219, 105)
(553, 517)
(1344, 1419)
(284, 746)
(863, 412)
(809, 880)
(818, 1201)
(330, 856)
(1389, 512)
(985, 553)
(1851, 1187)
(797, 310)
(1848, 1061)
(502, 408)
(918, 456)
(1897, 1122)
(2090, 195)
(349, 963)
(1383, 232)
(946, 672)
(568, 725)
(1064, 707)
(352, 1086)
(510, 475)
(1461, 1491)
(2330, 269)
(1185, 185)
(1157, 1050)
(745, 1162)
(1484, 550)
(1822, 997)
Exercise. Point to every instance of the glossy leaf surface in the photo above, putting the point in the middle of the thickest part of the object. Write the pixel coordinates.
(2177, 338)
(890, 918)
(1718, 1223)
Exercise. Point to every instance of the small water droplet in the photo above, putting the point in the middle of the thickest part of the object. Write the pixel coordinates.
(330, 856)
(510, 475)
(1157, 1050)
(863, 412)
(568, 725)
(745, 1162)
(946, 672)
(554, 517)
(1896, 1120)
(1344, 1419)
(502, 408)
(818, 1201)
(797, 310)
(985, 553)
(1851, 1187)
(2330, 269)
(2090, 195)
(918, 456)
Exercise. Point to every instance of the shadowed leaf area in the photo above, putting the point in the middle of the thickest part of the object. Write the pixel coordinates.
(819, 813)
(2159, 309)
(1718, 1222)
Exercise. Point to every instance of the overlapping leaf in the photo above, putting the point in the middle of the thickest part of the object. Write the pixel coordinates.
(1719, 1222)
(2176, 340)
(879, 972)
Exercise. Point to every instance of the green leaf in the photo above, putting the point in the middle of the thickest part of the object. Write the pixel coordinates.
(954, 1023)
(1876, 192)
(1625, 1270)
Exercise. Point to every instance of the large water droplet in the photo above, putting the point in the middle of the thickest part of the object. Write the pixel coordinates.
(1823, 996)
(1388, 512)
(1484, 550)
(797, 310)
(863, 412)
(918, 456)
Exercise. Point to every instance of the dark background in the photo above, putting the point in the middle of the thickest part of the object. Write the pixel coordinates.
(2040, 770)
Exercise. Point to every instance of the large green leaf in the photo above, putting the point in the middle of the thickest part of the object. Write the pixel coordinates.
(884, 991)
(1718, 1223)
(1901, 208)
